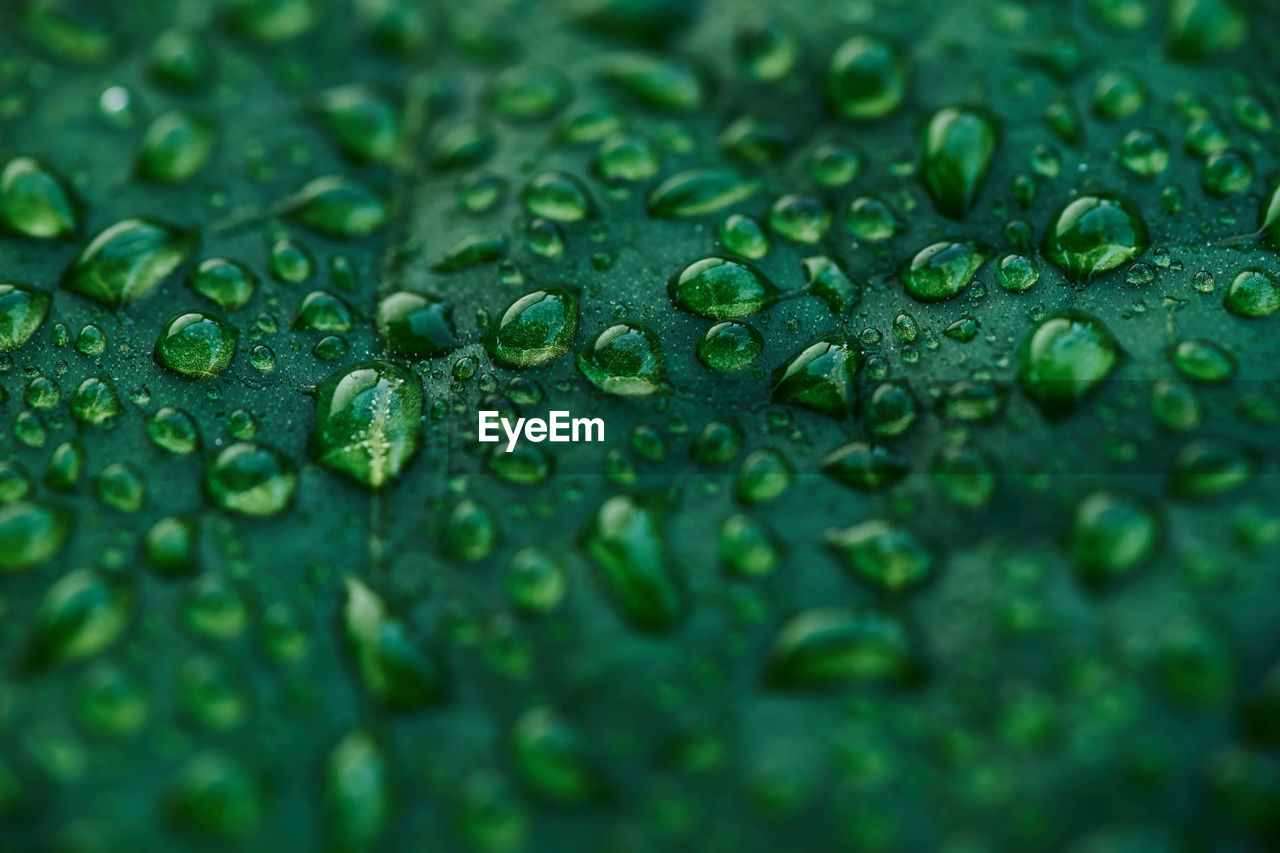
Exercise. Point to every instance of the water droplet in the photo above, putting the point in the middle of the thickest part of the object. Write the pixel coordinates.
(214, 795)
(865, 467)
(626, 541)
(1144, 152)
(197, 345)
(1203, 361)
(727, 347)
(1064, 359)
(625, 360)
(549, 756)
(866, 79)
(31, 533)
(363, 122)
(175, 146)
(536, 328)
(528, 93)
(626, 158)
(34, 202)
(820, 377)
(1118, 94)
(833, 646)
(655, 82)
(943, 270)
(127, 261)
(251, 479)
(1112, 534)
(1094, 234)
(1209, 467)
(957, 149)
(80, 616)
(367, 421)
(698, 192)
(339, 207)
(22, 310)
(1253, 293)
(95, 402)
(886, 556)
(227, 283)
(390, 666)
(1200, 29)
(719, 288)
(173, 430)
(557, 196)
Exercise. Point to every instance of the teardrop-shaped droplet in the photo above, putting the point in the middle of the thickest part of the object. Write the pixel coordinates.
(388, 662)
(127, 261)
(828, 281)
(536, 328)
(1094, 234)
(698, 192)
(22, 310)
(197, 345)
(1064, 359)
(820, 377)
(943, 270)
(720, 288)
(625, 360)
(1269, 216)
(34, 202)
(835, 646)
(340, 207)
(626, 541)
(958, 145)
(368, 420)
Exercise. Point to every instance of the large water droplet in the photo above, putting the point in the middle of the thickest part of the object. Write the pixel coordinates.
(834, 646)
(627, 543)
(22, 310)
(943, 270)
(1094, 234)
(720, 288)
(866, 79)
(536, 328)
(197, 345)
(127, 261)
(625, 360)
(958, 145)
(34, 202)
(368, 421)
(1064, 359)
(251, 479)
